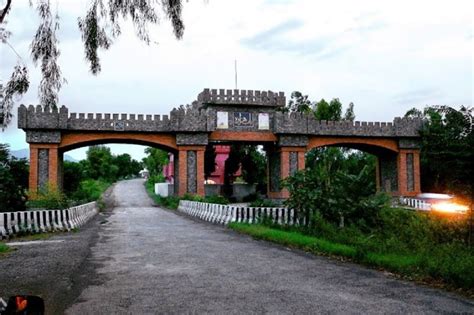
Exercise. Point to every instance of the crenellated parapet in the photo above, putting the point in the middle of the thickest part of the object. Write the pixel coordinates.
(299, 123)
(241, 97)
(45, 118)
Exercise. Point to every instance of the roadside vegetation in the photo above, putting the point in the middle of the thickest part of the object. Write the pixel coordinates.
(335, 196)
(3, 248)
(84, 181)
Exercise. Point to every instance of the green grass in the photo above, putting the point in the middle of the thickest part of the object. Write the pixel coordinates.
(4, 248)
(451, 265)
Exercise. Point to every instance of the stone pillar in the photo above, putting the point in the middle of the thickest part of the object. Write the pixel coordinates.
(408, 162)
(387, 173)
(191, 170)
(45, 167)
(283, 162)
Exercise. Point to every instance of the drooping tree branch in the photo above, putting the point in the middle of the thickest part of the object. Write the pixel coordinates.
(4, 12)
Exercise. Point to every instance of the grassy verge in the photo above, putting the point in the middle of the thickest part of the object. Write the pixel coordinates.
(4, 248)
(451, 267)
(166, 202)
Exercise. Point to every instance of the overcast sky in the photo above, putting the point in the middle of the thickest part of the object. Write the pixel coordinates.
(385, 56)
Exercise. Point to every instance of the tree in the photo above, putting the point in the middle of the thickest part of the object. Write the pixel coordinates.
(126, 166)
(328, 111)
(14, 181)
(209, 161)
(155, 160)
(447, 149)
(100, 164)
(100, 26)
(298, 103)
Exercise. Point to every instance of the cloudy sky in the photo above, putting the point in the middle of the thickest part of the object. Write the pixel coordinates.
(385, 56)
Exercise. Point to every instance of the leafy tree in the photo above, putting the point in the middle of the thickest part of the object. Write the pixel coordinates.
(254, 165)
(155, 160)
(73, 173)
(298, 103)
(100, 164)
(349, 115)
(126, 165)
(100, 26)
(328, 111)
(14, 181)
(209, 161)
(447, 149)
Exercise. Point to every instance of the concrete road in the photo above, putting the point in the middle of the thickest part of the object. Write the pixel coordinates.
(148, 260)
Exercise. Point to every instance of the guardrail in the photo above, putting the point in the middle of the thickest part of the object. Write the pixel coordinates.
(40, 221)
(225, 214)
(414, 203)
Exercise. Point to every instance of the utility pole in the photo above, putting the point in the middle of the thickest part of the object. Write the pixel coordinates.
(235, 70)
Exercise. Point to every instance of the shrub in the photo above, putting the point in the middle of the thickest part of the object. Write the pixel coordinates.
(90, 190)
(156, 179)
(263, 203)
(221, 200)
(250, 197)
(48, 198)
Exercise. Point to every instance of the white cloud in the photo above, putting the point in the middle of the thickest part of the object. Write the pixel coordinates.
(377, 54)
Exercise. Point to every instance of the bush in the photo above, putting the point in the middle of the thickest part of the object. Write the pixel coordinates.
(263, 203)
(90, 190)
(221, 200)
(48, 198)
(156, 179)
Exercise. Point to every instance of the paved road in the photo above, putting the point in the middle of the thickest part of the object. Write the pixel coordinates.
(148, 260)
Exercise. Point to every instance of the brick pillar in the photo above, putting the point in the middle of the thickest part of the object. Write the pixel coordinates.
(191, 170)
(33, 177)
(45, 167)
(408, 163)
(283, 162)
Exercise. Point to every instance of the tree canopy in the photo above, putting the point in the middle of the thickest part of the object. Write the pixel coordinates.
(447, 149)
(101, 24)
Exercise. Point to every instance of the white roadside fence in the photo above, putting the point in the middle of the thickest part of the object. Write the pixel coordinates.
(39, 221)
(414, 203)
(225, 214)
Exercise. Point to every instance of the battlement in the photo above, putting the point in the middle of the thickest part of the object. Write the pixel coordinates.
(299, 123)
(39, 117)
(241, 97)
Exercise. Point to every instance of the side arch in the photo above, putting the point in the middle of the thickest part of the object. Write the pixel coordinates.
(373, 146)
(385, 150)
(71, 141)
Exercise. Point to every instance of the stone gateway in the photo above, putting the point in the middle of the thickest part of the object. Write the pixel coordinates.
(222, 117)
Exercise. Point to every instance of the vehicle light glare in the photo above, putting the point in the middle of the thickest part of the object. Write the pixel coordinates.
(450, 207)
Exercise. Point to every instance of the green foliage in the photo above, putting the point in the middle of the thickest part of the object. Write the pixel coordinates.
(298, 103)
(336, 196)
(217, 199)
(84, 179)
(13, 181)
(159, 178)
(447, 150)
(263, 203)
(100, 164)
(49, 198)
(415, 254)
(4, 248)
(253, 165)
(328, 111)
(127, 167)
(209, 161)
(155, 160)
(90, 190)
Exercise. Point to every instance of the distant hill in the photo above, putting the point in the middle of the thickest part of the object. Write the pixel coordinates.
(25, 154)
